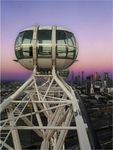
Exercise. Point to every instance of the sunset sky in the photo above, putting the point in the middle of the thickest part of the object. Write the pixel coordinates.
(90, 21)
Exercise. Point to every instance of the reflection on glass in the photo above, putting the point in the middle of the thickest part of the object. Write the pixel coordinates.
(65, 44)
(45, 42)
(23, 44)
(27, 37)
(44, 36)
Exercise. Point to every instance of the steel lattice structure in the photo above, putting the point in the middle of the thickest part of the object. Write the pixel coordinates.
(44, 104)
(53, 100)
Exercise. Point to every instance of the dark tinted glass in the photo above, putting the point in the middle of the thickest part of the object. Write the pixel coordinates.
(61, 37)
(44, 36)
(70, 39)
(27, 37)
(24, 51)
(19, 39)
(65, 44)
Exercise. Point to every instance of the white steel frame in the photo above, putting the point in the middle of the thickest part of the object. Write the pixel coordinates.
(58, 104)
(53, 100)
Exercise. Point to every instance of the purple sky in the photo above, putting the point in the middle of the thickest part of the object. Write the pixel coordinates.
(90, 21)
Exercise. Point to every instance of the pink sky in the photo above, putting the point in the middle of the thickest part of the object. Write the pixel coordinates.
(91, 22)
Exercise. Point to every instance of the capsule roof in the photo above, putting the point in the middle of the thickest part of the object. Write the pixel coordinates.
(47, 28)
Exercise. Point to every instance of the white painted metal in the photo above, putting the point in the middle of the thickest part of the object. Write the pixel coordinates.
(52, 103)
(43, 127)
(34, 46)
(60, 141)
(6, 145)
(15, 135)
(7, 101)
(58, 111)
(54, 46)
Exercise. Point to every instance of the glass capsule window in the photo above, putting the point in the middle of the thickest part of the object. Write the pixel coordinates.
(61, 44)
(27, 44)
(27, 37)
(19, 40)
(18, 49)
(23, 44)
(44, 43)
(71, 45)
(65, 44)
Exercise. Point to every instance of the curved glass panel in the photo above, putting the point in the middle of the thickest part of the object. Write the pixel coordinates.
(71, 45)
(23, 45)
(44, 43)
(27, 37)
(65, 44)
(61, 41)
(19, 39)
(70, 39)
(61, 37)
(18, 50)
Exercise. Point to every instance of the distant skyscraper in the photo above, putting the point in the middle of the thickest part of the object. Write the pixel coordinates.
(82, 77)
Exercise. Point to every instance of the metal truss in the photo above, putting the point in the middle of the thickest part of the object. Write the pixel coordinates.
(49, 101)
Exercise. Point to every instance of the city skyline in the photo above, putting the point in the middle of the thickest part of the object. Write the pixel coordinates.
(90, 21)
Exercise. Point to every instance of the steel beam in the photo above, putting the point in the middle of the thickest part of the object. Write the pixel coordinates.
(54, 101)
(7, 101)
(6, 145)
(15, 135)
(43, 127)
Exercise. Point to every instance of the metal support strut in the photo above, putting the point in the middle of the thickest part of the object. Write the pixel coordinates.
(54, 110)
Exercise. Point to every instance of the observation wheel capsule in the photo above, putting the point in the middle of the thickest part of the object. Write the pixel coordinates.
(46, 46)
